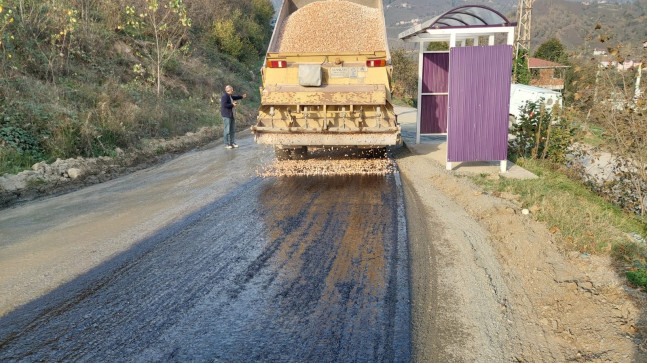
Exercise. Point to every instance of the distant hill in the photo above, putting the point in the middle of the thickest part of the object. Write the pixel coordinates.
(572, 22)
(569, 21)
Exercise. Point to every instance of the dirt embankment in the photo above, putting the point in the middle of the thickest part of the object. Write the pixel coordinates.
(66, 175)
(555, 304)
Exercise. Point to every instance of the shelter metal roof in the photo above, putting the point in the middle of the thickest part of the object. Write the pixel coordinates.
(463, 17)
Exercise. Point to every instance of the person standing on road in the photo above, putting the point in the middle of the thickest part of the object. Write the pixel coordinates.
(227, 105)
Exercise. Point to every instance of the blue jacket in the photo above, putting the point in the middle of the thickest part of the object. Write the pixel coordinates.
(227, 106)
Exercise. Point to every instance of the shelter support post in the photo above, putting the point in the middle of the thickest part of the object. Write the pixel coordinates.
(418, 113)
(448, 165)
(504, 166)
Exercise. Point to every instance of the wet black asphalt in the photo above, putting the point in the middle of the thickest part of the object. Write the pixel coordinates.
(298, 269)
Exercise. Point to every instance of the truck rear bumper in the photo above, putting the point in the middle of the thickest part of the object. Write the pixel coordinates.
(293, 136)
(356, 94)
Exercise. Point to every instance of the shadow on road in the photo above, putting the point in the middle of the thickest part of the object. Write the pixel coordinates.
(288, 269)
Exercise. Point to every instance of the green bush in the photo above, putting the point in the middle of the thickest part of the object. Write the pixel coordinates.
(520, 68)
(638, 277)
(245, 32)
(541, 134)
(13, 162)
(405, 77)
(21, 140)
(20, 137)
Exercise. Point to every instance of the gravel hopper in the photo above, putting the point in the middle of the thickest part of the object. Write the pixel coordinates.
(327, 79)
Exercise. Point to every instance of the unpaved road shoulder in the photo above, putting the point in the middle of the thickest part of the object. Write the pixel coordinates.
(490, 284)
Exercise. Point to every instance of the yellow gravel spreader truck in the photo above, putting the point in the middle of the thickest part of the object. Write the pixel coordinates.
(327, 79)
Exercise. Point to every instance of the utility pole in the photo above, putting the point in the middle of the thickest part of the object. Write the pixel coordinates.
(637, 89)
(524, 17)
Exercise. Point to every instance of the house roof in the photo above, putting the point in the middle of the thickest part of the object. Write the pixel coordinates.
(468, 16)
(542, 63)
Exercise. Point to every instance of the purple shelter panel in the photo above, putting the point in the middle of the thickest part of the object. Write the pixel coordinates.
(433, 115)
(435, 69)
(479, 97)
(433, 108)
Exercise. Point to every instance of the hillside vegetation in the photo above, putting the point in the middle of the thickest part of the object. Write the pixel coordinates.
(571, 22)
(84, 77)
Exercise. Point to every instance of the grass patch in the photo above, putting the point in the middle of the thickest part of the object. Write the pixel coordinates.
(592, 135)
(13, 162)
(638, 277)
(585, 221)
(403, 102)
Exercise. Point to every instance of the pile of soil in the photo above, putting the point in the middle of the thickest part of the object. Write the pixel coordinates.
(554, 303)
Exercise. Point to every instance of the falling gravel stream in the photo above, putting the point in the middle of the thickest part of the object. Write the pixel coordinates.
(275, 269)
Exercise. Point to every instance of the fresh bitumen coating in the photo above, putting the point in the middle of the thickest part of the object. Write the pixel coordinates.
(288, 269)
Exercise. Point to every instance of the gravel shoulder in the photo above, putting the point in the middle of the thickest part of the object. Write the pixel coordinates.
(491, 284)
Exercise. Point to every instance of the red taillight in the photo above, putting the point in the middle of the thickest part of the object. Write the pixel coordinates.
(277, 64)
(376, 63)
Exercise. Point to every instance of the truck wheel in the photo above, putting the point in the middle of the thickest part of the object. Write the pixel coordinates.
(281, 153)
(374, 153)
(300, 153)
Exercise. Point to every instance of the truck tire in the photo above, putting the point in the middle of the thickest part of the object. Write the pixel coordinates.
(374, 153)
(300, 153)
(281, 153)
(297, 153)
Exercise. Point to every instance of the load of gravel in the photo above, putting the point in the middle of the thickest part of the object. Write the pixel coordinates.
(333, 26)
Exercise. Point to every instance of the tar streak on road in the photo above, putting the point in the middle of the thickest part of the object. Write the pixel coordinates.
(288, 269)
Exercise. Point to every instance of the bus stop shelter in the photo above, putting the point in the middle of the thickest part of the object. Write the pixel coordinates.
(464, 92)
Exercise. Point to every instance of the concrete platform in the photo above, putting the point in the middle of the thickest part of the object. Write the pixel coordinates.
(434, 148)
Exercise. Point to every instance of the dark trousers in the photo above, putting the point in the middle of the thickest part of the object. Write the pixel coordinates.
(230, 129)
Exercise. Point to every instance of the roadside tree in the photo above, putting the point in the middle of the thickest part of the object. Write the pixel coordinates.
(244, 31)
(616, 103)
(405, 76)
(165, 23)
(6, 36)
(47, 30)
(520, 71)
(552, 50)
